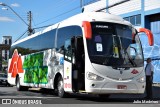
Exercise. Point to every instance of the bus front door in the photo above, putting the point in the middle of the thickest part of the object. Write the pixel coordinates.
(78, 65)
(74, 65)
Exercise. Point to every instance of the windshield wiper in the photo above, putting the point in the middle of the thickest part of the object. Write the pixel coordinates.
(130, 59)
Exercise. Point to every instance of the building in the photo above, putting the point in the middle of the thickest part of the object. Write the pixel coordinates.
(4, 52)
(141, 13)
(8, 41)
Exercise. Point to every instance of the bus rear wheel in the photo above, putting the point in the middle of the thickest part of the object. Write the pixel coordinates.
(19, 87)
(60, 90)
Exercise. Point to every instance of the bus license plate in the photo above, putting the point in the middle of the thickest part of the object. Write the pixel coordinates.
(121, 87)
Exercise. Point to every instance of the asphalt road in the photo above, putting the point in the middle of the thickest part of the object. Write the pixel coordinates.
(47, 97)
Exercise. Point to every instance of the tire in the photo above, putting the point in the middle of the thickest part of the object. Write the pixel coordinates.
(60, 90)
(19, 87)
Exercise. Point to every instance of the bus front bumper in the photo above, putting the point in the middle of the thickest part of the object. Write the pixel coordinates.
(120, 87)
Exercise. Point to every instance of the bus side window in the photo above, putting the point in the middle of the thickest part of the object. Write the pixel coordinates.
(68, 50)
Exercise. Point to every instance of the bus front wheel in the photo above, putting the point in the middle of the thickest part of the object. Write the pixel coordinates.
(60, 90)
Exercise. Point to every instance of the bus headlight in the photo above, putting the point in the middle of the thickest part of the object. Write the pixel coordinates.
(141, 80)
(92, 76)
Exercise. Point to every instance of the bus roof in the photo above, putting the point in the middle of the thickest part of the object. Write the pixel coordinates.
(77, 20)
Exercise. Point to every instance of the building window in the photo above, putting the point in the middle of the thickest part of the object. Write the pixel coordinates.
(135, 20)
(138, 20)
(132, 20)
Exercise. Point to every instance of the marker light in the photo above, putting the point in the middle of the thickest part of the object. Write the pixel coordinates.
(87, 29)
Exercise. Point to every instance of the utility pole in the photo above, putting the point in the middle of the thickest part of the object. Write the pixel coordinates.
(30, 30)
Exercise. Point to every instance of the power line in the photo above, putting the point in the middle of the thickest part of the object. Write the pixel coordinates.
(15, 13)
(46, 21)
(33, 21)
(55, 17)
(29, 25)
(58, 15)
(21, 35)
(46, 25)
(92, 1)
(58, 5)
(63, 5)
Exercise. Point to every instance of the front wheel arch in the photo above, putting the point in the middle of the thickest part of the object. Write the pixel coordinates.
(56, 80)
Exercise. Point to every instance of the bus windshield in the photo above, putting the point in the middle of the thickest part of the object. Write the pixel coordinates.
(112, 45)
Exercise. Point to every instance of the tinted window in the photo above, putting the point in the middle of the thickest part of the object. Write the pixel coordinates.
(38, 43)
(111, 44)
(67, 33)
(47, 40)
(68, 50)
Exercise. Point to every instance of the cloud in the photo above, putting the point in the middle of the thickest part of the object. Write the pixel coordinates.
(15, 5)
(6, 19)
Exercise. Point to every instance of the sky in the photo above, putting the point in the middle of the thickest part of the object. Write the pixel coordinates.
(44, 12)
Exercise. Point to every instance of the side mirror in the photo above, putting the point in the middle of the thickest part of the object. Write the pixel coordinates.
(148, 33)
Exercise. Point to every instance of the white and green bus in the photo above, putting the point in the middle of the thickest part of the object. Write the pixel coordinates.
(92, 52)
